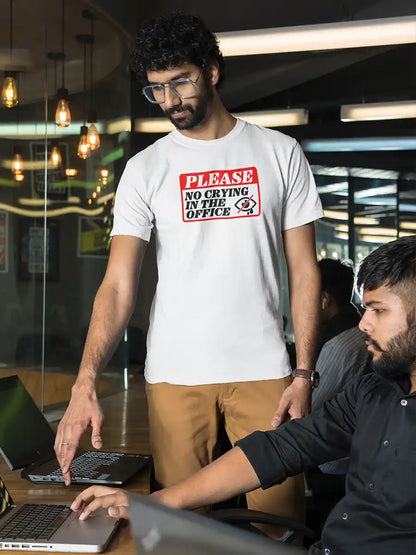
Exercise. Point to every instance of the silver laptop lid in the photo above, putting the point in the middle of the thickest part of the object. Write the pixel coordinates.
(161, 530)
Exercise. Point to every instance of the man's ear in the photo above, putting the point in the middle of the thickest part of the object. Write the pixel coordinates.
(213, 72)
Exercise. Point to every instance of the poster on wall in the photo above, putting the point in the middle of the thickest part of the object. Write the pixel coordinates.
(32, 244)
(93, 237)
(4, 252)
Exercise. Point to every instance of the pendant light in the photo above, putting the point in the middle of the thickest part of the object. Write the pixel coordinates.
(93, 137)
(63, 113)
(104, 176)
(17, 162)
(71, 173)
(9, 95)
(84, 147)
(56, 157)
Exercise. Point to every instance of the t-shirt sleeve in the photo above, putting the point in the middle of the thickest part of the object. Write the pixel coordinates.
(132, 214)
(302, 203)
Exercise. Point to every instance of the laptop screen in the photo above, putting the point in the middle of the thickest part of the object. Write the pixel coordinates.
(6, 500)
(25, 435)
(161, 530)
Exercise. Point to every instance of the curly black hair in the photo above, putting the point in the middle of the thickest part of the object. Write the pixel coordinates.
(169, 41)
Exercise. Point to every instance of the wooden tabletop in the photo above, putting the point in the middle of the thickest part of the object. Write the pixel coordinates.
(125, 429)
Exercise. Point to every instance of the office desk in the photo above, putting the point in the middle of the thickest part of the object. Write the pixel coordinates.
(125, 429)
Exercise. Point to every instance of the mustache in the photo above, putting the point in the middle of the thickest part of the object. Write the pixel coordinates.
(374, 344)
(182, 108)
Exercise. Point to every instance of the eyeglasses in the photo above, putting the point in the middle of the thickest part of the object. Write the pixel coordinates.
(184, 88)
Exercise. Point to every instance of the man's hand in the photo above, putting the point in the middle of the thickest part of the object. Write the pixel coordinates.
(83, 411)
(295, 401)
(97, 497)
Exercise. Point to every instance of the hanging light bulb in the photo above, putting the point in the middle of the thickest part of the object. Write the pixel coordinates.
(84, 149)
(17, 162)
(63, 113)
(71, 172)
(98, 188)
(104, 176)
(56, 157)
(9, 96)
(19, 176)
(93, 137)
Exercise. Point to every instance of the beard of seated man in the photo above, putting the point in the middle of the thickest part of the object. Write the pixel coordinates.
(400, 353)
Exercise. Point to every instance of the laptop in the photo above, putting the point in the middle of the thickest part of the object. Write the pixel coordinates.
(51, 527)
(161, 530)
(27, 440)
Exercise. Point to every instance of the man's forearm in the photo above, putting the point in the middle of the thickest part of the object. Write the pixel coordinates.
(305, 315)
(230, 475)
(111, 313)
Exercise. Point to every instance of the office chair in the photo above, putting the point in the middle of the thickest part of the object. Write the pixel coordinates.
(245, 518)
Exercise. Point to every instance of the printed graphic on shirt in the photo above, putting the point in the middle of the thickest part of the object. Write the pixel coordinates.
(219, 195)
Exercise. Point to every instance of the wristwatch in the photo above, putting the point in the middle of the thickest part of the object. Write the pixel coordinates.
(311, 375)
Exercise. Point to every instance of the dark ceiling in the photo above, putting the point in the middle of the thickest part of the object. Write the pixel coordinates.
(316, 80)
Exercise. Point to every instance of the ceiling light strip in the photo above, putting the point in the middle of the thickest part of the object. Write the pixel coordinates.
(327, 36)
(378, 111)
(270, 118)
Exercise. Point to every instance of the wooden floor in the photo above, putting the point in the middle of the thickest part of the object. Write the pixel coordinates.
(125, 429)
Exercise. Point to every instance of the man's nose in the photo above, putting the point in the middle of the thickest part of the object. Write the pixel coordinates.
(171, 98)
(364, 323)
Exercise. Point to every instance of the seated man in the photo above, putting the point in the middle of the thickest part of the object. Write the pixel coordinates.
(373, 420)
(343, 357)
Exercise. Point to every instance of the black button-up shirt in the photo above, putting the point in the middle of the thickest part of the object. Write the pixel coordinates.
(374, 421)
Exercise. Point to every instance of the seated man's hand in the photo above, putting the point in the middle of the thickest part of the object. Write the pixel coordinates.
(98, 497)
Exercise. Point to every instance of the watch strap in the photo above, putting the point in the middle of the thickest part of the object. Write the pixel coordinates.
(302, 373)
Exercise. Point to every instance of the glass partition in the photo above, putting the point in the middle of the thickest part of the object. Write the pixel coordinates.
(56, 214)
(364, 208)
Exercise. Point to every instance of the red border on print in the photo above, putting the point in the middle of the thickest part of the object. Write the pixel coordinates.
(211, 186)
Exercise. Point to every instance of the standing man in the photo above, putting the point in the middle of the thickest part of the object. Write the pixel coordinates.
(225, 199)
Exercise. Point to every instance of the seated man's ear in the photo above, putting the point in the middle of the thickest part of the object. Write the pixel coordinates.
(324, 300)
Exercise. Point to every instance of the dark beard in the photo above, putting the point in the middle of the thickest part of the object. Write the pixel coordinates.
(197, 114)
(400, 354)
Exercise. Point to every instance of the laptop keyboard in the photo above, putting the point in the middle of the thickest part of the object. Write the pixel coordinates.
(91, 464)
(34, 522)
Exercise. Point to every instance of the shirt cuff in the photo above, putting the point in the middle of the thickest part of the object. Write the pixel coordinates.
(263, 458)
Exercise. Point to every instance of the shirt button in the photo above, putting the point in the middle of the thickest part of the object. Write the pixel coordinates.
(386, 443)
(403, 402)
(344, 516)
(371, 485)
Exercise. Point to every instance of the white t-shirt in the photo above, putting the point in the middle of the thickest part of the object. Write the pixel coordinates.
(217, 209)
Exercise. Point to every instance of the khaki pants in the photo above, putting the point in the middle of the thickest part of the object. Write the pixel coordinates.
(184, 425)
